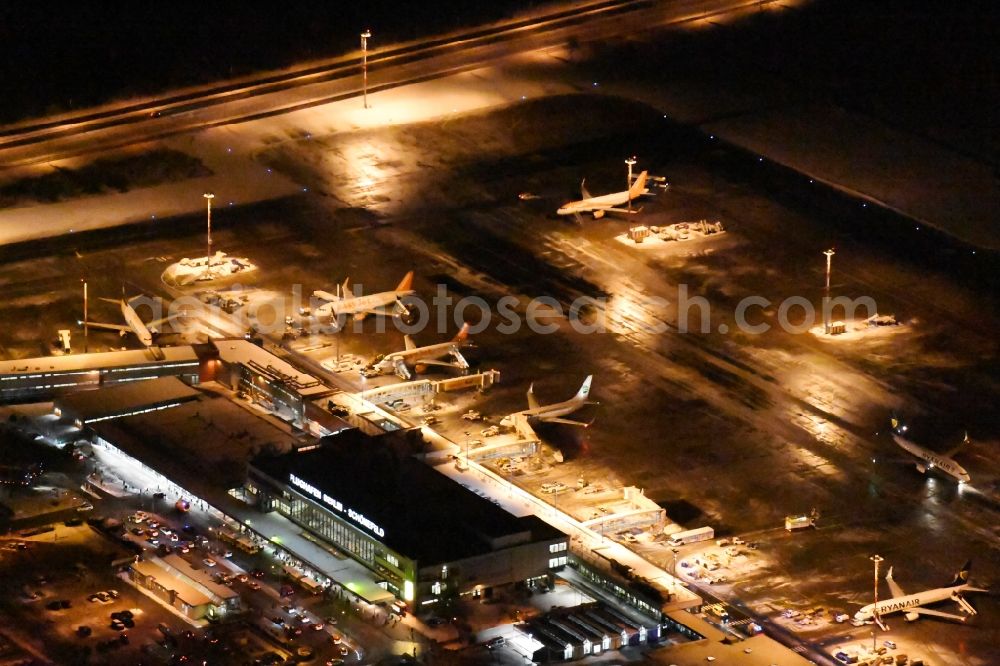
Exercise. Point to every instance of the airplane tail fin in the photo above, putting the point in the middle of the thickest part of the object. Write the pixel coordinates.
(639, 186)
(463, 334)
(955, 449)
(409, 343)
(962, 577)
(344, 288)
(532, 400)
(406, 284)
(584, 391)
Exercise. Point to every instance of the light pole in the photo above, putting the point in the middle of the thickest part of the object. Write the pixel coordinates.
(208, 220)
(877, 559)
(826, 300)
(86, 329)
(630, 162)
(674, 583)
(364, 65)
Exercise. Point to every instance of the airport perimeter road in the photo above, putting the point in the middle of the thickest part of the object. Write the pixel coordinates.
(121, 125)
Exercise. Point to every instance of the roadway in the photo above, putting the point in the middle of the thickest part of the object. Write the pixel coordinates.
(124, 125)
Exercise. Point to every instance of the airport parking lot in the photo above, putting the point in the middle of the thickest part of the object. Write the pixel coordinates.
(72, 565)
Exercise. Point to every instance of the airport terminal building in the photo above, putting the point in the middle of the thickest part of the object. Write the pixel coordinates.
(423, 536)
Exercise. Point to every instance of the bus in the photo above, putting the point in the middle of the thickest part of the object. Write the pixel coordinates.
(241, 541)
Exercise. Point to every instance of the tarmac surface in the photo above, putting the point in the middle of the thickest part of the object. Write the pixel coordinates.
(731, 429)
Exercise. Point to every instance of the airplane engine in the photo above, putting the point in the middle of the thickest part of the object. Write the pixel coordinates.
(922, 468)
(122, 334)
(598, 214)
(910, 617)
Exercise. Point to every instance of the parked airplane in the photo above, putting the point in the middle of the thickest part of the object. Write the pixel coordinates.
(607, 203)
(912, 605)
(548, 413)
(929, 459)
(400, 362)
(133, 324)
(361, 306)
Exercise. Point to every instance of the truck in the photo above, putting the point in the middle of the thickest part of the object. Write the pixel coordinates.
(691, 536)
(793, 523)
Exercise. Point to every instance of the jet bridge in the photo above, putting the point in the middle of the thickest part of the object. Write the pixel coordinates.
(639, 512)
(424, 390)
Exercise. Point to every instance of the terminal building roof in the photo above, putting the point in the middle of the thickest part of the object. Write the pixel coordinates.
(100, 360)
(400, 501)
(203, 442)
(125, 399)
(250, 355)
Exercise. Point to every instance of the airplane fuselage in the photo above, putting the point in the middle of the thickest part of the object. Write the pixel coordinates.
(358, 304)
(607, 202)
(430, 352)
(546, 411)
(135, 323)
(904, 603)
(595, 203)
(933, 460)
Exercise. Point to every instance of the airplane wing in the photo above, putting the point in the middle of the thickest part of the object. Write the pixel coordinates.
(379, 310)
(936, 613)
(399, 367)
(897, 591)
(446, 364)
(156, 322)
(610, 209)
(584, 194)
(532, 400)
(325, 296)
(109, 327)
(460, 361)
(566, 422)
(523, 428)
(110, 300)
(400, 309)
(408, 341)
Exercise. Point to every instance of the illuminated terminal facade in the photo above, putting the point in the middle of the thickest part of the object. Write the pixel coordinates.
(423, 536)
